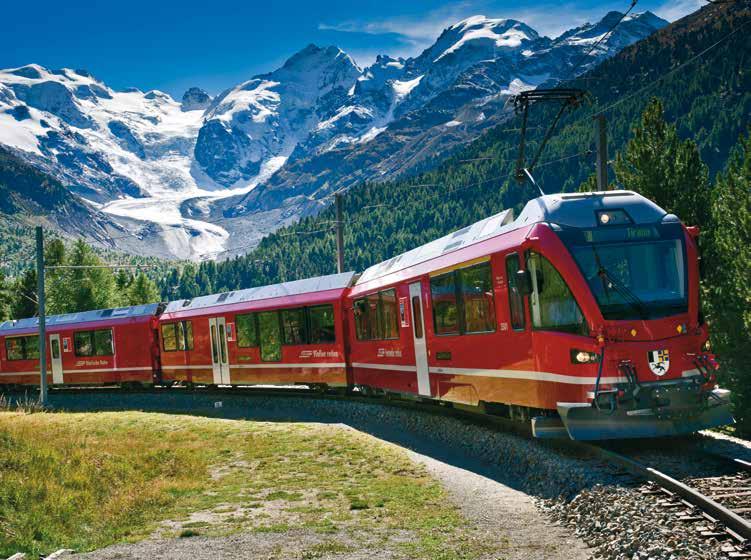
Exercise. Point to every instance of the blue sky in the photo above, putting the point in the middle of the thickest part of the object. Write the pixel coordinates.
(172, 45)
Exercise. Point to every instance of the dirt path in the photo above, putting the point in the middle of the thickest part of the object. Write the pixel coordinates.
(500, 511)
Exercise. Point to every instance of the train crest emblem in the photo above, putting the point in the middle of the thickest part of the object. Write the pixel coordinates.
(659, 361)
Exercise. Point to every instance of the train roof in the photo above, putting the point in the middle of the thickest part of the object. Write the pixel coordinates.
(296, 287)
(580, 209)
(564, 209)
(81, 317)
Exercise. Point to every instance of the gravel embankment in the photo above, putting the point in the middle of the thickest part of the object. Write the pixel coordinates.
(591, 502)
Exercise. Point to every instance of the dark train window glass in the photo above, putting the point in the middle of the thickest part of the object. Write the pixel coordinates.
(22, 348)
(360, 310)
(187, 332)
(321, 320)
(552, 304)
(177, 336)
(515, 298)
(55, 348)
(247, 331)
(389, 312)
(417, 316)
(223, 343)
(445, 308)
(14, 349)
(374, 317)
(269, 336)
(214, 351)
(93, 343)
(377, 316)
(478, 307)
(169, 337)
(293, 326)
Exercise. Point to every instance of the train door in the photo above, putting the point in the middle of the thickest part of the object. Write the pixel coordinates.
(219, 353)
(418, 335)
(56, 359)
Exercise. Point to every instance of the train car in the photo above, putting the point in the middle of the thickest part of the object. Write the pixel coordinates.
(581, 315)
(284, 334)
(110, 346)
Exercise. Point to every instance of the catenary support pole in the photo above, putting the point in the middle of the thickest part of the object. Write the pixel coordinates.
(339, 234)
(602, 153)
(42, 317)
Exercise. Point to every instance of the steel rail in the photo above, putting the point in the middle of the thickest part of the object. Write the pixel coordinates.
(730, 519)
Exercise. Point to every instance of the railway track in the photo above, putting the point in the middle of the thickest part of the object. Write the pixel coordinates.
(718, 506)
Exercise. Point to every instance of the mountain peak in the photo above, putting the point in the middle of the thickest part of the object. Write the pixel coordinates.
(195, 99)
(482, 32)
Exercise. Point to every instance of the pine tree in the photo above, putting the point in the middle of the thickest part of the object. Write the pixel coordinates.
(24, 295)
(88, 288)
(5, 297)
(728, 282)
(664, 168)
(143, 290)
(55, 280)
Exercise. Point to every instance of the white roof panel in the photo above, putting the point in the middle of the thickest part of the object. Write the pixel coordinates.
(81, 317)
(296, 287)
(485, 228)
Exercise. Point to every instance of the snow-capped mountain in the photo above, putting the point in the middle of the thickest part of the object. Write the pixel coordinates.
(267, 148)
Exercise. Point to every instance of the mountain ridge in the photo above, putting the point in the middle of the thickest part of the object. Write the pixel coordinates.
(178, 173)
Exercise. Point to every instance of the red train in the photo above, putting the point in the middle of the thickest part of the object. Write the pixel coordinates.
(581, 316)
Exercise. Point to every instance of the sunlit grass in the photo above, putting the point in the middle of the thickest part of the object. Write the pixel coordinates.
(84, 481)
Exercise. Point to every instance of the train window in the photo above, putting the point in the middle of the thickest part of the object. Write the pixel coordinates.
(187, 329)
(360, 311)
(515, 298)
(169, 337)
(247, 330)
(321, 320)
(389, 313)
(214, 352)
(93, 343)
(177, 336)
(269, 336)
(552, 303)
(293, 326)
(478, 308)
(417, 316)
(222, 343)
(445, 307)
(374, 317)
(22, 348)
(377, 316)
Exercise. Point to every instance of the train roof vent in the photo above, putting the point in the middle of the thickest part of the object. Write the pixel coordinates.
(107, 312)
(461, 232)
(124, 311)
(453, 245)
(187, 302)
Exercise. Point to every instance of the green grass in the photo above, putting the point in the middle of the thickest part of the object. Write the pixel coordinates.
(84, 481)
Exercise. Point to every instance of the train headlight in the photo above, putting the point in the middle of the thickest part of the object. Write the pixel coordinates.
(584, 357)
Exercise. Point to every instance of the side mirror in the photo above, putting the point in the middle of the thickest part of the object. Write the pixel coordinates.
(524, 282)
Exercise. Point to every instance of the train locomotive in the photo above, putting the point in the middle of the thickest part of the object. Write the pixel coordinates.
(580, 316)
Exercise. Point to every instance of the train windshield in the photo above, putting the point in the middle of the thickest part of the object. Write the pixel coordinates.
(635, 272)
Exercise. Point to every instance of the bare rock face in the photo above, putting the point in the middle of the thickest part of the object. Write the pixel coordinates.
(195, 99)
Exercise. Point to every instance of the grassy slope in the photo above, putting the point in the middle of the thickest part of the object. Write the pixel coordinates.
(96, 479)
